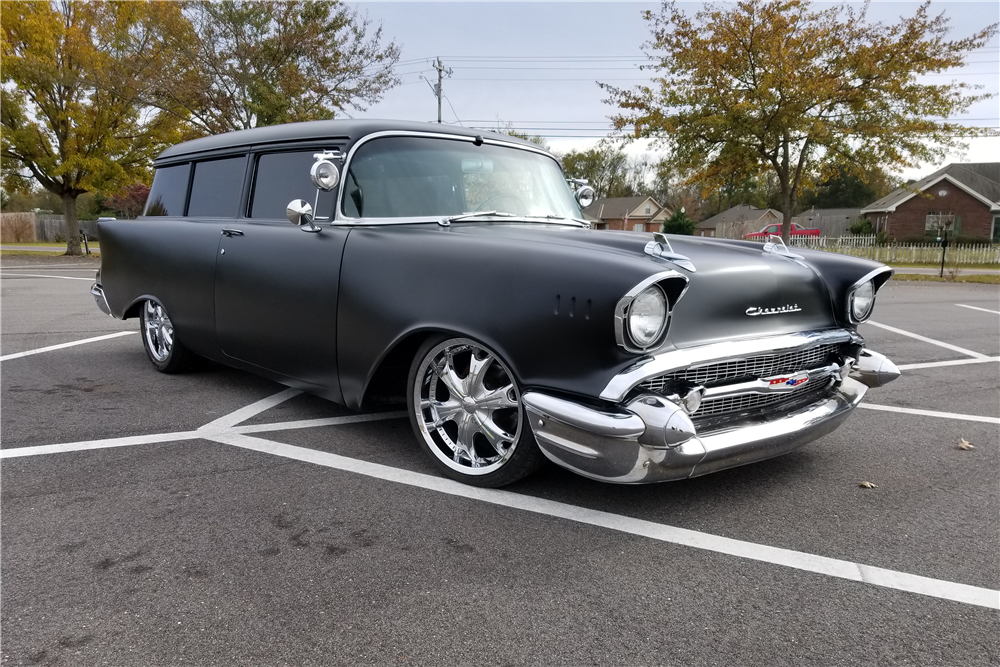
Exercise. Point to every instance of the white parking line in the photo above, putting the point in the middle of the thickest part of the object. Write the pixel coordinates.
(107, 443)
(952, 362)
(174, 436)
(60, 346)
(831, 567)
(313, 423)
(932, 413)
(962, 305)
(243, 414)
(37, 275)
(948, 346)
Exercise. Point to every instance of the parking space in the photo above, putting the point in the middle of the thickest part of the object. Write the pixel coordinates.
(215, 518)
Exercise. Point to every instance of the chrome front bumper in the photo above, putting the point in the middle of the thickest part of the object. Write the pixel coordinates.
(98, 293)
(610, 446)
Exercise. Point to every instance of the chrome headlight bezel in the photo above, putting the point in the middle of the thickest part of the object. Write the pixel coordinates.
(623, 335)
(876, 279)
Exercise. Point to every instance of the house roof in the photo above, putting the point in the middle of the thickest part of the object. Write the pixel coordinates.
(979, 179)
(736, 214)
(615, 208)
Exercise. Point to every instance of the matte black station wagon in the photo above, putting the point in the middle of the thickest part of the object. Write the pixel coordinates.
(452, 271)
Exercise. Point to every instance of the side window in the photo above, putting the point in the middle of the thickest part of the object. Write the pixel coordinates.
(774, 229)
(169, 191)
(217, 186)
(282, 177)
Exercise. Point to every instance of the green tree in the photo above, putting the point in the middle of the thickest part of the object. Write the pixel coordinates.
(608, 170)
(71, 121)
(263, 63)
(678, 223)
(779, 87)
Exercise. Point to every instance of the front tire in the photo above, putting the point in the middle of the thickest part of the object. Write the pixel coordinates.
(466, 411)
(167, 354)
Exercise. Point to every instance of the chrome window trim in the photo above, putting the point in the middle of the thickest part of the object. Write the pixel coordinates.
(678, 359)
(341, 219)
(870, 276)
(622, 337)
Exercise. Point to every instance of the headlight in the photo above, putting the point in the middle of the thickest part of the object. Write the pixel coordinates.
(647, 316)
(324, 175)
(862, 300)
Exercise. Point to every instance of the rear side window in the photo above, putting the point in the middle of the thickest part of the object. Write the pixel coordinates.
(217, 187)
(282, 177)
(169, 191)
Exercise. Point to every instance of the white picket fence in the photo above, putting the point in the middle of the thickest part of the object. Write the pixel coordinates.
(903, 253)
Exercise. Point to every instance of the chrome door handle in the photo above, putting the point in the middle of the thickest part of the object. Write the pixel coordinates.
(232, 232)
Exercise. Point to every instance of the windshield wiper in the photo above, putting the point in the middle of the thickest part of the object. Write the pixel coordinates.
(477, 214)
(550, 216)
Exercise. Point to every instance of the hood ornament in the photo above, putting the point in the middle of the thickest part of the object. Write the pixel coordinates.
(660, 248)
(754, 311)
(776, 246)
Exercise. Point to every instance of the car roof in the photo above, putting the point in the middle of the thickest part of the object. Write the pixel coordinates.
(346, 131)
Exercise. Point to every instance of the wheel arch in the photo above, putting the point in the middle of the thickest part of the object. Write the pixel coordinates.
(387, 381)
(134, 309)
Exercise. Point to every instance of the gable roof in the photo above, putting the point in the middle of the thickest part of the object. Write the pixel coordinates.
(615, 208)
(743, 212)
(979, 179)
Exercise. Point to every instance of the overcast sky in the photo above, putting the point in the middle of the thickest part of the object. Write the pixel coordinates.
(535, 64)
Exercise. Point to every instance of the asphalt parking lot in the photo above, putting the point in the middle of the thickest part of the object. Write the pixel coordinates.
(215, 518)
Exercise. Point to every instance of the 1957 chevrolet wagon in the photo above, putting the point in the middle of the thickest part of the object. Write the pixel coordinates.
(450, 270)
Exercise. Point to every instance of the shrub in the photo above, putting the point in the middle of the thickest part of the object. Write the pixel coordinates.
(862, 227)
(678, 223)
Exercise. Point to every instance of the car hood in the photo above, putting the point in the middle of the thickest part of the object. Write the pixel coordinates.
(736, 290)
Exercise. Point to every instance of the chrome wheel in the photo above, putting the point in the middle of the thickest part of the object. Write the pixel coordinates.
(158, 330)
(466, 407)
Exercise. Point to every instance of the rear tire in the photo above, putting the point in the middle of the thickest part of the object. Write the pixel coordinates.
(466, 411)
(167, 354)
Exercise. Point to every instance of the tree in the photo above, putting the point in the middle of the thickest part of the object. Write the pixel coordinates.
(263, 63)
(678, 223)
(777, 87)
(509, 129)
(70, 118)
(608, 170)
(130, 202)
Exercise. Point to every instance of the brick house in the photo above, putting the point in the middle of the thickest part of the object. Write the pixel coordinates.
(738, 220)
(635, 214)
(964, 196)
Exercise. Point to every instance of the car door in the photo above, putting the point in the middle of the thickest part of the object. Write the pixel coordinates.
(276, 286)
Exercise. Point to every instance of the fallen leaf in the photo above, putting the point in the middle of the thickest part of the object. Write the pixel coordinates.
(868, 485)
(965, 444)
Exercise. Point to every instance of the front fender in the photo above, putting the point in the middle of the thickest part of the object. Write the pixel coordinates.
(547, 309)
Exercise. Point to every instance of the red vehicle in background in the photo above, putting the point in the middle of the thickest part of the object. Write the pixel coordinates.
(797, 230)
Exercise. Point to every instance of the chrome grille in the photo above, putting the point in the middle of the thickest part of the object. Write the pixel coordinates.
(749, 411)
(759, 366)
(745, 402)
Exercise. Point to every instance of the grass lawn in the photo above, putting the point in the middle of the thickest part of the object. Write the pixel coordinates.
(946, 266)
(979, 278)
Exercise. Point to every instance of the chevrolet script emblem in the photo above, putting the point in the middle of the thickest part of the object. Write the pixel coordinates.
(791, 308)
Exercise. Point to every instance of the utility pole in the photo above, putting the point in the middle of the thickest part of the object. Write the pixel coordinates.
(441, 70)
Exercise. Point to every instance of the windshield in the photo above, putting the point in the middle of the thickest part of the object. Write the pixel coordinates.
(396, 177)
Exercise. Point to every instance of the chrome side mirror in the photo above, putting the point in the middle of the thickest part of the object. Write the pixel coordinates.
(300, 213)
